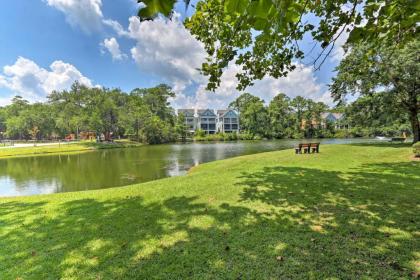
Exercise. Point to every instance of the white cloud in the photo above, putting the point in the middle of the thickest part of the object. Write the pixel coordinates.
(117, 27)
(112, 46)
(338, 52)
(34, 83)
(86, 14)
(5, 101)
(300, 82)
(166, 49)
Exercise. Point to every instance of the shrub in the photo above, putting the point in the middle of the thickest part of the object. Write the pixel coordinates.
(416, 149)
(342, 133)
(200, 133)
(245, 136)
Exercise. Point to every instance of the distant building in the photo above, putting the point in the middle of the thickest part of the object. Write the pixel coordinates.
(211, 122)
(207, 120)
(334, 118)
(190, 119)
(228, 121)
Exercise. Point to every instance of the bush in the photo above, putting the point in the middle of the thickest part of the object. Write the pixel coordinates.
(342, 133)
(245, 136)
(416, 149)
(200, 133)
(225, 137)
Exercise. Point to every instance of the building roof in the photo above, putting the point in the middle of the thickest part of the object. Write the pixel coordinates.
(186, 112)
(224, 112)
(332, 116)
(203, 111)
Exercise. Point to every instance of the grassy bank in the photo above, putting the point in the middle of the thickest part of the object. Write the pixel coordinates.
(63, 148)
(350, 212)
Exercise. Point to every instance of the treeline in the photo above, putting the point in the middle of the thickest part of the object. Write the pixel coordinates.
(300, 117)
(282, 118)
(143, 115)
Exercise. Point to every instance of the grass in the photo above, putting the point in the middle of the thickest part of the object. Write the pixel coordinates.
(350, 212)
(78, 147)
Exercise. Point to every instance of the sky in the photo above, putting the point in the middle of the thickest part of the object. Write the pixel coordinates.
(46, 45)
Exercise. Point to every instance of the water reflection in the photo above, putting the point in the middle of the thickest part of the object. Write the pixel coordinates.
(119, 167)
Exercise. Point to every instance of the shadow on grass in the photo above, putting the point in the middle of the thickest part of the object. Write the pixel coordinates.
(384, 144)
(289, 223)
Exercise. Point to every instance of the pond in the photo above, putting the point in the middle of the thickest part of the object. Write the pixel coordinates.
(119, 167)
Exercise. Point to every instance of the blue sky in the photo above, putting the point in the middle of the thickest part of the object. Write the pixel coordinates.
(47, 44)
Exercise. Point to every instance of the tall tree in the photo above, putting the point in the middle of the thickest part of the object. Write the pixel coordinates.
(280, 111)
(181, 127)
(157, 100)
(253, 115)
(391, 72)
(70, 108)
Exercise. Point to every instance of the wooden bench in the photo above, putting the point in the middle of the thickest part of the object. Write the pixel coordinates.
(315, 147)
(307, 148)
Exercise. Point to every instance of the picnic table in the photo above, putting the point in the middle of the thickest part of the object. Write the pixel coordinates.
(307, 148)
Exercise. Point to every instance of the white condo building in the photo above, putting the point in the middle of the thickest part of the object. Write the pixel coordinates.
(211, 121)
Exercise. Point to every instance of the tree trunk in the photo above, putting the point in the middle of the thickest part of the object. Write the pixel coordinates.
(415, 124)
(414, 111)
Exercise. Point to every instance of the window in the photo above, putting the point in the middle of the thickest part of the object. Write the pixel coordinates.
(190, 120)
(212, 126)
(234, 126)
(204, 126)
(203, 119)
(212, 120)
(226, 126)
(226, 120)
(234, 120)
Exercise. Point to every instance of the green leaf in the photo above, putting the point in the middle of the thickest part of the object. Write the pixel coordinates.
(155, 7)
(260, 24)
(236, 6)
(355, 35)
(260, 8)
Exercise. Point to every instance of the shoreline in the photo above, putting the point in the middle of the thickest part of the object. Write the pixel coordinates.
(61, 149)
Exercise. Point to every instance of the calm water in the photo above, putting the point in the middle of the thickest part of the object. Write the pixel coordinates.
(119, 167)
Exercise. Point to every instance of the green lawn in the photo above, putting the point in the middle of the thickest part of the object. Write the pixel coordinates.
(65, 148)
(350, 212)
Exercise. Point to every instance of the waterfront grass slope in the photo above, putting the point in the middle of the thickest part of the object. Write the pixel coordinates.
(349, 212)
(63, 148)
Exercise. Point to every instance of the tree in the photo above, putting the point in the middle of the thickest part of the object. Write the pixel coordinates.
(279, 111)
(156, 131)
(253, 115)
(69, 107)
(157, 100)
(390, 72)
(241, 103)
(134, 115)
(181, 127)
(372, 115)
(263, 36)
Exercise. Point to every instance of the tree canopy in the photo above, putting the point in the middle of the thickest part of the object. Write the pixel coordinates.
(263, 36)
(390, 73)
(143, 115)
